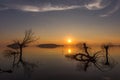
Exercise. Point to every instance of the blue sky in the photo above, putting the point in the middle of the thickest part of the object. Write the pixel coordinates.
(54, 20)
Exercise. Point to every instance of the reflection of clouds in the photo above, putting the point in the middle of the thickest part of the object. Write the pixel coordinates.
(54, 5)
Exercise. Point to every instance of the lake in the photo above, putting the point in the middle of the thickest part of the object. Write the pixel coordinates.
(57, 64)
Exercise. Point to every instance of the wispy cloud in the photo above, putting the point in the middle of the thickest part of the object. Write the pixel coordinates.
(45, 6)
(96, 4)
(50, 6)
(115, 9)
(39, 8)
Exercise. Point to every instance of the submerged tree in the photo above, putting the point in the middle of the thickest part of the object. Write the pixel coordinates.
(85, 48)
(87, 59)
(85, 55)
(17, 62)
(16, 51)
(20, 44)
(106, 48)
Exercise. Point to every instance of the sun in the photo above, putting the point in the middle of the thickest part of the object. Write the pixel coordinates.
(69, 40)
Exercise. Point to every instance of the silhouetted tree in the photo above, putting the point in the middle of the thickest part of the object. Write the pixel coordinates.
(16, 51)
(85, 48)
(86, 59)
(106, 47)
(12, 53)
(86, 54)
(28, 38)
(17, 61)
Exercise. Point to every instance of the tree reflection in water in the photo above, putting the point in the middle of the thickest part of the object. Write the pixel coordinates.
(18, 62)
(15, 51)
(86, 60)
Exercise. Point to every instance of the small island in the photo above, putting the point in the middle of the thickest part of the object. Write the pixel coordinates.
(49, 45)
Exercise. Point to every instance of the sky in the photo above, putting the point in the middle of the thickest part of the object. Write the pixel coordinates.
(94, 21)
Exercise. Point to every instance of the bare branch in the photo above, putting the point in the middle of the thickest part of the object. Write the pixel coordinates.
(28, 38)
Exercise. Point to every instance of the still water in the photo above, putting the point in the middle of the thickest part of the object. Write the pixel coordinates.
(56, 64)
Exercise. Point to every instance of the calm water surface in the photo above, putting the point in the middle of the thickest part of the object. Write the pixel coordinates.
(49, 64)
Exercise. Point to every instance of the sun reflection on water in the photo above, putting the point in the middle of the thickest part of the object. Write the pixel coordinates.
(69, 50)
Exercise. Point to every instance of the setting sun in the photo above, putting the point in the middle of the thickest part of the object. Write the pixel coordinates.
(69, 40)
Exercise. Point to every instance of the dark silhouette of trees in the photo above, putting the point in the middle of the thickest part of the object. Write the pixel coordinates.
(85, 48)
(86, 54)
(106, 48)
(17, 61)
(86, 59)
(15, 52)
(12, 53)
(28, 38)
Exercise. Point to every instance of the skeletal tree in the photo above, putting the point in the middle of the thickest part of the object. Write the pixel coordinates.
(16, 52)
(106, 48)
(17, 61)
(28, 38)
(85, 48)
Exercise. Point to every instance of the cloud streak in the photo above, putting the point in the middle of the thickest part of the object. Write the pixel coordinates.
(115, 9)
(30, 8)
(45, 6)
(96, 4)
(58, 6)
(39, 8)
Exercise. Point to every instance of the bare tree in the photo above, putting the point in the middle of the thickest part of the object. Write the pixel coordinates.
(87, 59)
(106, 47)
(17, 62)
(27, 39)
(16, 52)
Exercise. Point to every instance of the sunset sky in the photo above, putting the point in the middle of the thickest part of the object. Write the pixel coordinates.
(57, 20)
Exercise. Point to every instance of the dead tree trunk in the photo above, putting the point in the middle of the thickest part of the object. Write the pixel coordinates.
(106, 55)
